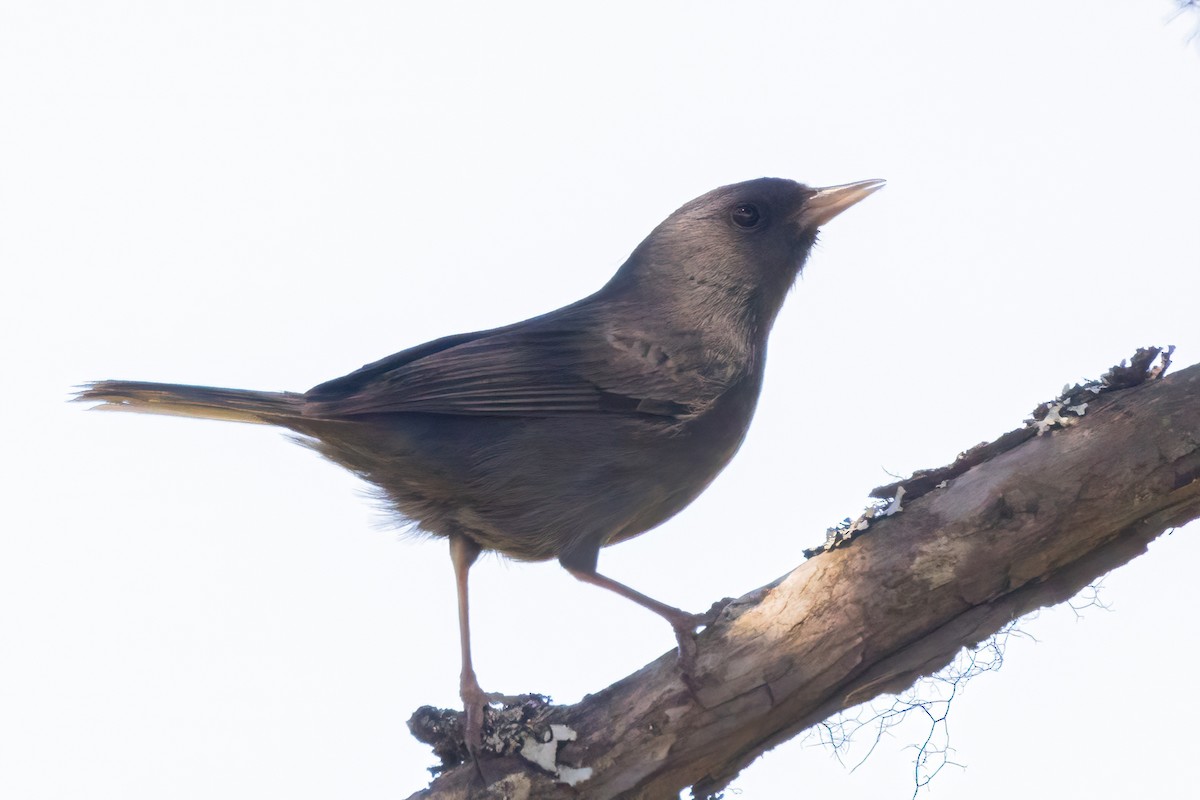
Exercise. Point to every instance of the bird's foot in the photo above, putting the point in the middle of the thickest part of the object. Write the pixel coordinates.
(475, 709)
(475, 700)
(686, 654)
(685, 626)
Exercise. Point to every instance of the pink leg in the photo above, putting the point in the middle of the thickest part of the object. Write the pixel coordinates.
(683, 623)
(463, 553)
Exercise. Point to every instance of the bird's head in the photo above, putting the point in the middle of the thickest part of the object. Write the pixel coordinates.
(737, 249)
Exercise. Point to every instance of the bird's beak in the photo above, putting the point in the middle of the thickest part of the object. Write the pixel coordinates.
(830, 201)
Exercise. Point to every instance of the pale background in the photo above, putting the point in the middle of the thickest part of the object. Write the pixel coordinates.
(267, 195)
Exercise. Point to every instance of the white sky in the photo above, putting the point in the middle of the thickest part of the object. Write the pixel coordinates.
(270, 194)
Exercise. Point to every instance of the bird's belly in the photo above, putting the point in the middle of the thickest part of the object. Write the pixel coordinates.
(536, 488)
(602, 485)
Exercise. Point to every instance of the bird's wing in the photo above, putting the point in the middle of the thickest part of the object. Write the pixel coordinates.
(551, 366)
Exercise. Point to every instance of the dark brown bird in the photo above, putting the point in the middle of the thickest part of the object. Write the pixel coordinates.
(559, 435)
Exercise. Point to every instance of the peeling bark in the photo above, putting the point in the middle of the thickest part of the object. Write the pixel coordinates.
(1028, 527)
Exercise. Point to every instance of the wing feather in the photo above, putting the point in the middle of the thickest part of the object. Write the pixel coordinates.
(556, 365)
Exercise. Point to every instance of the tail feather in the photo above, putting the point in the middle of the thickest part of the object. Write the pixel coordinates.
(206, 402)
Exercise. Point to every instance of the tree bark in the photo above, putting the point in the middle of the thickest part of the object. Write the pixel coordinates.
(1026, 528)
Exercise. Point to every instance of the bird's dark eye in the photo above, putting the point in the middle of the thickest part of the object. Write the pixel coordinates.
(745, 215)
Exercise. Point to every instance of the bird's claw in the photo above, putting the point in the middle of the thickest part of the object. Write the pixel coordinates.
(688, 649)
(475, 700)
(685, 635)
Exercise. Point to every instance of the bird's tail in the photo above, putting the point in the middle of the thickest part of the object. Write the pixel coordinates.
(206, 402)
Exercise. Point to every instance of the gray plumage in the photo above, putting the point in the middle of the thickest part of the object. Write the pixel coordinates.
(556, 436)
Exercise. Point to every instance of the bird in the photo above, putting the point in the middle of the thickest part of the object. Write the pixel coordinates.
(561, 434)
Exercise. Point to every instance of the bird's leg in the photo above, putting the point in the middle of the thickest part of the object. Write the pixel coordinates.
(683, 623)
(463, 553)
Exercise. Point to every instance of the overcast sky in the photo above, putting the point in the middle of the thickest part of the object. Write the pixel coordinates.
(267, 195)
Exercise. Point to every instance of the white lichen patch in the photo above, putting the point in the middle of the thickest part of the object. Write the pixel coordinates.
(573, 775)
(1055, 419)
(894, 507)
(561, 733)
(545, 754)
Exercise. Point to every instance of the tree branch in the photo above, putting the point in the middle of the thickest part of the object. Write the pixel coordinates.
(1028, 527)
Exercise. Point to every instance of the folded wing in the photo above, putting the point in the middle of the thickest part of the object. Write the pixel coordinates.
(553, 366)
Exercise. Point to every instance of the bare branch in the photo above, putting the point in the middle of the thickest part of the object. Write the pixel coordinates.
(1027, 525)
